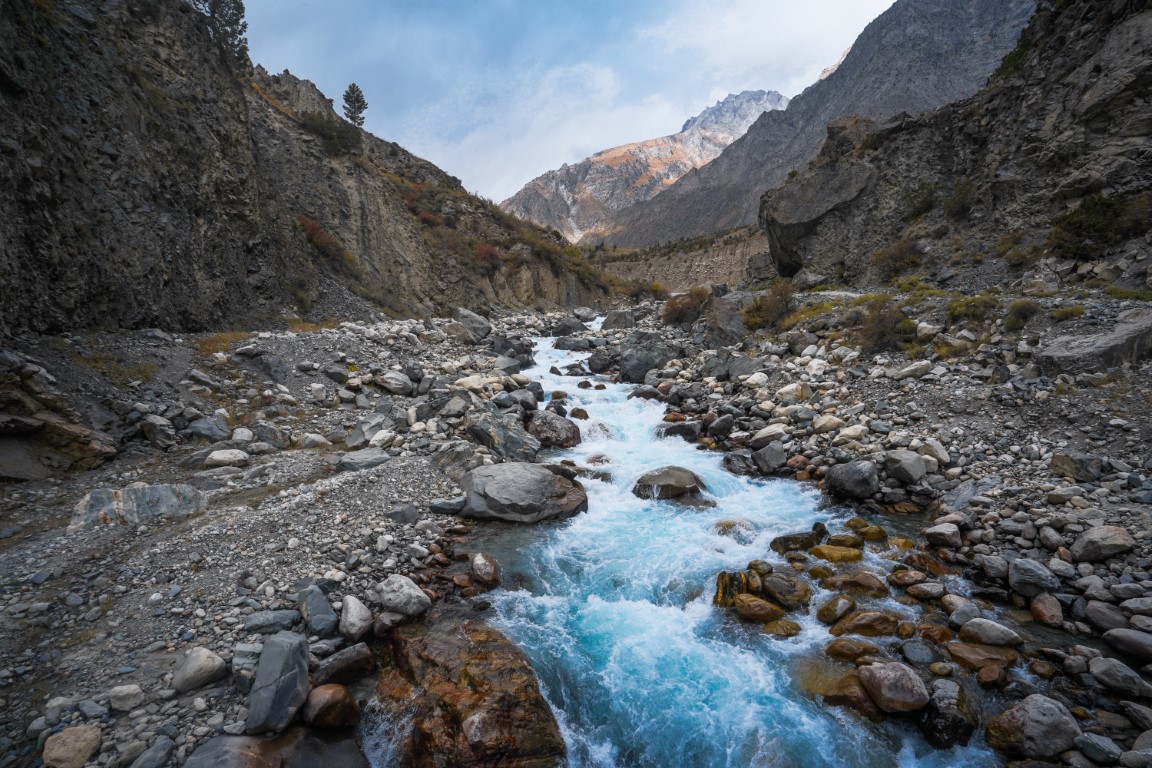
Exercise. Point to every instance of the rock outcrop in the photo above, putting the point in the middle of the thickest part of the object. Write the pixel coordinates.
(1042, 178)
(143, 183)
(916, 56)
(577, 199)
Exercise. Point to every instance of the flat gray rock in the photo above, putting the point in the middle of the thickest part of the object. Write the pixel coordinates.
(281, 684)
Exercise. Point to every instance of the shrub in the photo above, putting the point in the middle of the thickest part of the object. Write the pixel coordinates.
(1019, 313)
(902, 255)
(884, 326)
(219, 342)
(960, 202)
(685, 308)
(337, 136)
(971, 308)
(1098, 224)
(1063, 314)
(1128, 294)
(919, 201)
(771, 307)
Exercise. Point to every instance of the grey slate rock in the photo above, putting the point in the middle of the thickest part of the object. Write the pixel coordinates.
(1030, 578)
(319, 616)
(281, 684)
(854, 480)
(156, 756)
(267, 622)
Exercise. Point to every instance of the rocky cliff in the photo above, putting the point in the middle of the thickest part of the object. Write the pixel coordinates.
(1044, 175)
(732, 257)
(143, 183)
(576, 200)
(917, 55)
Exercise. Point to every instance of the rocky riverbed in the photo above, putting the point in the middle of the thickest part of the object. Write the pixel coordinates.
(201, 532)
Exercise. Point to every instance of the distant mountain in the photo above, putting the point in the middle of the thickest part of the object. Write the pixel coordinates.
(576, 199)
(916, 56)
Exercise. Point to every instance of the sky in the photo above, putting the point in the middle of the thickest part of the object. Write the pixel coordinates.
(496, 92)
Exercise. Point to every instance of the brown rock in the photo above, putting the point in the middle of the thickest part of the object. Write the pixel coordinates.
(331, 706)
(862, 584)
(1047, 610)
(71, 747)
(752, 608)
(867, 623)
(835, 554)
(935, 633)
(895, 687)
(783, 628)
(298, 747)
(973, 656)
(850, 649)
(846, 540)
(849, 692)
(835, 608)
(906, 578)
(785, 590)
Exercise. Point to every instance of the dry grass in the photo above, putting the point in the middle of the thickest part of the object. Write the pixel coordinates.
(219, 342)
(304, 326)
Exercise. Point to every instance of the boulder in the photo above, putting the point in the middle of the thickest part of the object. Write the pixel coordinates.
(471, 699)
(71, 747)
(907, 467)
(504, 435)
(200, 667)
(894, 686)
(800, 541)
(553, 430)
(365, 458)
(331, 706)
(944, 535)
(566, 326)
(770, 458)
(1101, 543)
(281, 684)
(641, 352)
(854, 480)
(949, 719)
(869, 623)
(125, 698)
(1030, 578)
(1037, 728)
(485, 569)
(229, 457)
(399, 594)
(618, 320)
(318, 614)
(752, 608)
(988, 632)
(520, 493)
(1119, 677)
(1127, 341)
(355, 619)
(668, 483)
(299, 747)
(477, 326)
(1081, 467)
(786, 590)
(158, 431)
(396, 382)
(1131, 642)
(346, 666)
(136, 504)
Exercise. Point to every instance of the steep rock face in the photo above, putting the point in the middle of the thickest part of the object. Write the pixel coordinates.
(576, 199)
(917, 55)
(731, 258)
(143, 184)
(1065, 118)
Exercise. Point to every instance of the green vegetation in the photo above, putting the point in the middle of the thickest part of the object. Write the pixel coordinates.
(1064, 314)
(919, 201)
(771, 307)
(228, 29)
(1011, 64)
(902, 255)
(805, 312)
(1020, 312)
(337, 136)
(884, 327)
(917, 289)
(354, 105)
(959, 203)
(685, 308)
(1128, 294)
(1099, 224)
(975, 308)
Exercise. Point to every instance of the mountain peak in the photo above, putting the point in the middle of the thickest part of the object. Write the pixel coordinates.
(735, 112)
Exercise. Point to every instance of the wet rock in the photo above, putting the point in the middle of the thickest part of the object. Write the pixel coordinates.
(944, 535)
(868, 623)
(504, 435)
(751, 608)
(200, 667)
(949, 719)
(1047, 610)
(785, 590)
(849, 692)
(895, 687)
(854, 480)
(71, 747)
(668, 483)
(281, 684)
(861, 584)
(1030, 578)
(471, 698)
(1037, 727)
(553, 430)
(485, 570)
(976, 656)
(782, 628)
(850, 649)
(1097, 544)
(520, 493)
(835, 608)
(1099, 749)
(988, 632)
(770, 458)
(1132, 642)
(834, 554)
(801, 542)
(331, 706)
(136, 504)
(297, 748)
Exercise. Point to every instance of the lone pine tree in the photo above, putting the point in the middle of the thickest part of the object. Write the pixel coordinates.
(354, 105)
(228, 27)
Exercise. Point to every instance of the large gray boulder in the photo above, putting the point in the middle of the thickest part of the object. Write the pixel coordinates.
(520, 493)
(641, 352)
(1119, 677)
(138, 503)
(1030, 578)
(619, 319)
(1082, 467)
(504, 435)
(365, 458)
(200, 667)
(1037, 727)
(894, 687)
(476, 325)
(906, 466)
(949, 719)
(668, 483)
(319, 616)
(281, 684)
(1126, 342)
(1132, 642)
(854, 480)
(553, 430)
(1101, 543)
